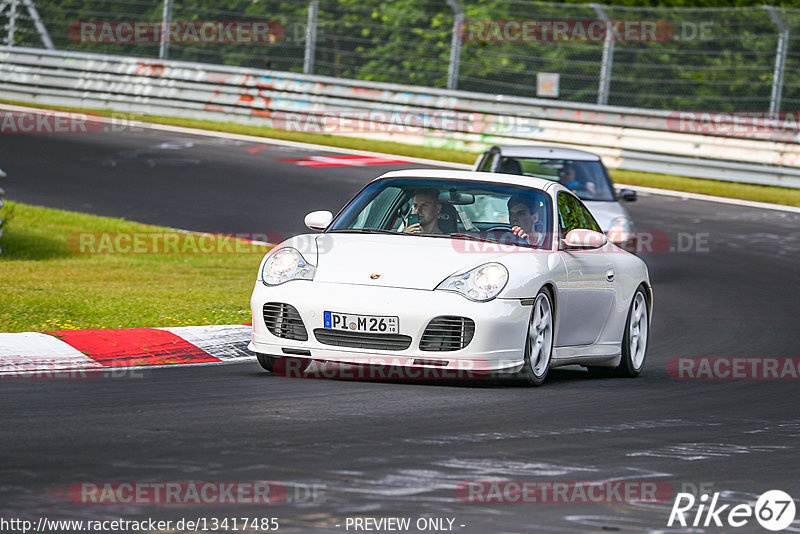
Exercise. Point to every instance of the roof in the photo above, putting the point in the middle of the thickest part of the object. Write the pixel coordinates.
(544, 152)
(490, 177)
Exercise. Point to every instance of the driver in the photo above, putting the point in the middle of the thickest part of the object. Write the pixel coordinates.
(523, 214)
(426, 204)
(573, 180)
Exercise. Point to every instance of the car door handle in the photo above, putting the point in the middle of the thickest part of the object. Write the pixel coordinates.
(610, 275)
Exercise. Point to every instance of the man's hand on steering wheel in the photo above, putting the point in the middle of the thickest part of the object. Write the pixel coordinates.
(519, 232)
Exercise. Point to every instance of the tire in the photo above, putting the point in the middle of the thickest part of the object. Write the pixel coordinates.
(634, 342)
(266, 361)
(538, 341)
(282, 366)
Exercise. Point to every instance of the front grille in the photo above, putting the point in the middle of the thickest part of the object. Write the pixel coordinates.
(447, 333)
(360, 340)
(284, 321)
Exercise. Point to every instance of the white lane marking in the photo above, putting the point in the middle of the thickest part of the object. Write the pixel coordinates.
(226, 342)
(34, 350)
(423, 161)
(709, 198)
(704, 451)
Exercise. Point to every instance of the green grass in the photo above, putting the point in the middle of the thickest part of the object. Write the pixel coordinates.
(46, 285)
(759, 193)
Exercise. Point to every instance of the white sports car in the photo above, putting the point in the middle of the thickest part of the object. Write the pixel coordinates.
(428, 269)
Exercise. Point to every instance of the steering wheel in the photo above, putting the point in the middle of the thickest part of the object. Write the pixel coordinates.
(498, 229)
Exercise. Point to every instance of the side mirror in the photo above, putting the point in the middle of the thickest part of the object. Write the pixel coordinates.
(580, 239)
(629, 195)
(318, 220)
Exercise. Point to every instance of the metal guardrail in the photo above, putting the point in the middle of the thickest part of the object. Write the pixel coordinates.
(631, 139)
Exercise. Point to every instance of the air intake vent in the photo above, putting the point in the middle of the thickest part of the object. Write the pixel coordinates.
(359, 340)
(284, 321)
(447, 333)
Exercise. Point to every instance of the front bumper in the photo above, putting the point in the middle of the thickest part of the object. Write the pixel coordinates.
(497, 344)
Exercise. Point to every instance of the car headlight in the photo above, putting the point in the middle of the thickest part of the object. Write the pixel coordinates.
(620, 230)
(481, 283)
(284, 265)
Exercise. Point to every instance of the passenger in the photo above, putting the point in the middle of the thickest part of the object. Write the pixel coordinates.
(427, 206)
(573, 179)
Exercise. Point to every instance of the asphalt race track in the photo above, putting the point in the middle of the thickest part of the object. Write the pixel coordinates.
(191, 182)
(729, 287)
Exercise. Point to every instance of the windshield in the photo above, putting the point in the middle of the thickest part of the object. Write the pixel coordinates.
(587, 179)
(456, 209)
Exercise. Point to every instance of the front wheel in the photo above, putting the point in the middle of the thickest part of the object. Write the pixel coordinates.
(538, 341)
(634, 341)
(266, 361)
(283, 366)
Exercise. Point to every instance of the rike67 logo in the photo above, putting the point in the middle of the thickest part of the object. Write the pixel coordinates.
(774, 510)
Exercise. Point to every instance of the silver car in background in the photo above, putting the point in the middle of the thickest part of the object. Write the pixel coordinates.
(582, 172)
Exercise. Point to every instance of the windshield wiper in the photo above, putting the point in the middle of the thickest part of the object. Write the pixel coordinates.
(476, 238)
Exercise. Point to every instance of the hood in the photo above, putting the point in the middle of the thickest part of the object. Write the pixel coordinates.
(606, 212)
(403, 261)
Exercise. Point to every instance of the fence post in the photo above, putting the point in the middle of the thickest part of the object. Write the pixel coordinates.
(608, 57)
(37, 22)
(455, 44)
(311, 37)
(166, 18)
(12, 22)
(780, 60)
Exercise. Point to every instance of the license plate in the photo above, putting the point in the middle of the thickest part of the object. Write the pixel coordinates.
(374, 324)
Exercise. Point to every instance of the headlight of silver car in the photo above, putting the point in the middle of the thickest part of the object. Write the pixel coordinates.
(481, 283)
(284, 265)
(620, 230)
